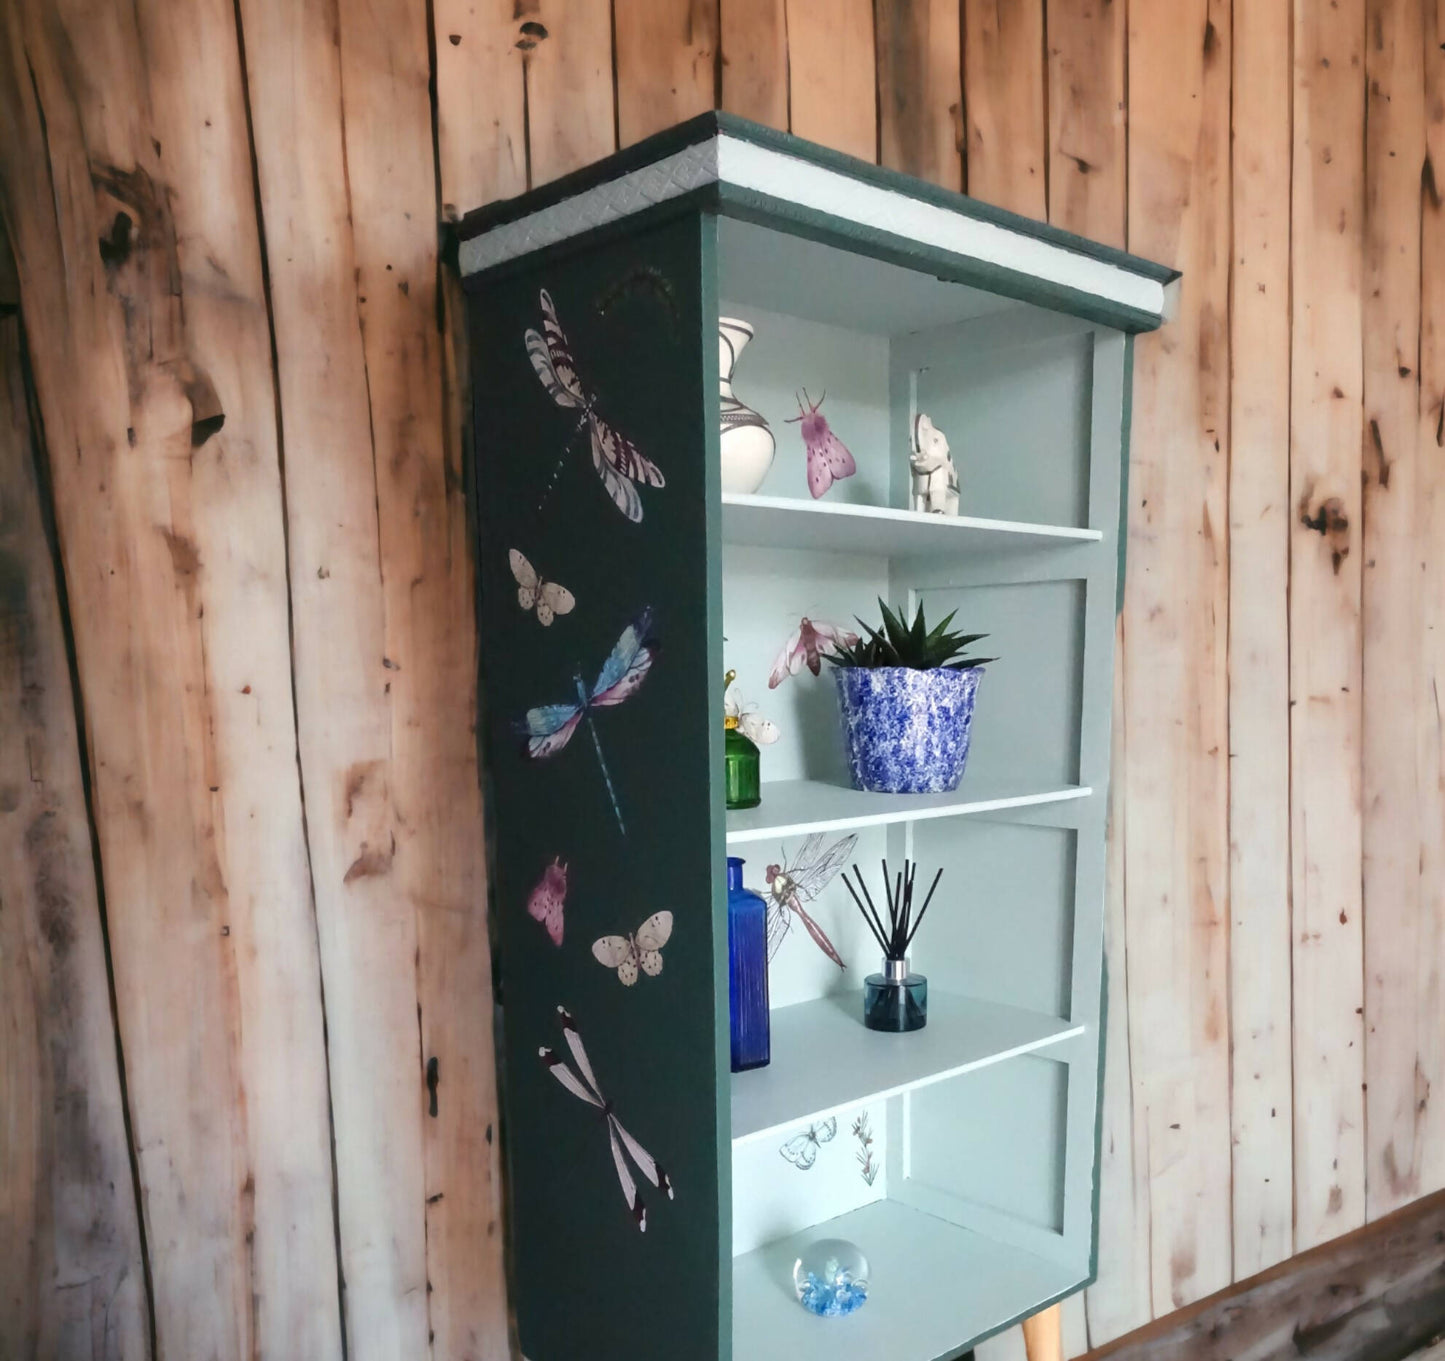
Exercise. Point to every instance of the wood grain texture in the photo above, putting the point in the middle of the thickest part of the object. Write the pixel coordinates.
(920, 89)
(1086, 99)
(1393, 838)
(130, 209)
(383, 659)
(1006, 146)
(1262, 1089)
(430, 654)
(72, 1280)
(667, 53)
(1119, 1301)
(832, 78)
(481, 127)
(1371, 1295)
(1175, 646)
(1430, 536)
(570, 97)
(754, 37)
(1325, 557)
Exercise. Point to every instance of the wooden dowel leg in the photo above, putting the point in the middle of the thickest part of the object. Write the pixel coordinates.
(1044, 1335)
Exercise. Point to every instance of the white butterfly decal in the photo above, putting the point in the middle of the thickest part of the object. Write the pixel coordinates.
(745, 717)
(546, 597)
(583, 1085)
(802, 1149)
(642, 950)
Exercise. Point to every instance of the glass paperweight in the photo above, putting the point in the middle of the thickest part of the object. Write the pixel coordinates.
(747, 973)
(895, 999)
(741, 768)
(831, 1278)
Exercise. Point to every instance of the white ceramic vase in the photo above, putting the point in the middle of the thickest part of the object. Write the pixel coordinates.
(747, 442)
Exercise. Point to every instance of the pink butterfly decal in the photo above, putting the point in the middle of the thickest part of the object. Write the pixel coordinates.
(547, 899)
(809, 644)
(828, 458)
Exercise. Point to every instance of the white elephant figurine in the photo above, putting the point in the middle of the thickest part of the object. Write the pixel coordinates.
(935, 479)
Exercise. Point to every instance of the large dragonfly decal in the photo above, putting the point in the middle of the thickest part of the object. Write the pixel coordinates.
(614, 457)
(549, 727)
(584, 1086)
(798, 880)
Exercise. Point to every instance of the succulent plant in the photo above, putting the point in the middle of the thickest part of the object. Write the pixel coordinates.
(914, 645)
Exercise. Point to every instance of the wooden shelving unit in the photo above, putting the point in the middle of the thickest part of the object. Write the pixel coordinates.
(961, 1158)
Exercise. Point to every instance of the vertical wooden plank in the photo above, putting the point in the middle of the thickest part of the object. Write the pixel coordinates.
(570, 96)
(1086, 100)
(666, 63)
(429, 665)
(1086, 96)
(1325, 465)
(1430, 540)
(832, 75)
(384, 684)
(1175, 653)
(1392, 662)
(128, 190)
(1119, 1301)
(755, 60)
(1259, 532)
(528, 94)
(72, 1281)
(920, 89)
(481, 127)
(1003, 100)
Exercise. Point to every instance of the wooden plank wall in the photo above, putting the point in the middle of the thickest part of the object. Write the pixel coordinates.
(246, 381)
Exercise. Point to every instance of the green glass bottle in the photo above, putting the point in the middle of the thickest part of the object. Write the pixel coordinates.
(740, 758)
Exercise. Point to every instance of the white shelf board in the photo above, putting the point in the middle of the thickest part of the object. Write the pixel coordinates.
(827, 1062)
(876, 531)
(933, 1287)
(797, 807)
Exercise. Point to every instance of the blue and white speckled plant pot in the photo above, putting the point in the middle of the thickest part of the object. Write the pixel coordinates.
(906, 731)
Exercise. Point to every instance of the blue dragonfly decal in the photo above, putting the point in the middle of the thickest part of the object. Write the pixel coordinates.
(549, 727)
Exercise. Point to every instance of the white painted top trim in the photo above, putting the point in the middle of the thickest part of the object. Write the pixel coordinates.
(732, 160)
(870, 205)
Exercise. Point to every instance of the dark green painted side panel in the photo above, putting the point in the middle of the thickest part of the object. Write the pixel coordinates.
(587, 1283)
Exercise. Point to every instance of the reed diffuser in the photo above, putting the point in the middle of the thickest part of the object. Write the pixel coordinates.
(896, 999)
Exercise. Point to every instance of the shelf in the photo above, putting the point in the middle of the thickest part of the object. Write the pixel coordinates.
(825, 1060)
(873, 531)
(797, 807)
(932, 1288)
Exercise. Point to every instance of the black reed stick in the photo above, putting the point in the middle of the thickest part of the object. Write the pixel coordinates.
(924, 908)
(897, 936)
(876, 927)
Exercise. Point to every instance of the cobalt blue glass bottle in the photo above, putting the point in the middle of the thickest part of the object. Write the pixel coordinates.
(747, 972)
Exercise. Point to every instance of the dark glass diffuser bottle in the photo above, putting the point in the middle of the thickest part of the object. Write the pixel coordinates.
(747, 972)
(895, 1000)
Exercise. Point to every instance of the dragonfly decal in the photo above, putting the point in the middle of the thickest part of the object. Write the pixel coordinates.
(614, 457)
(799, 880)
(802, 1149)
(584, 1086)
(549, 727)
